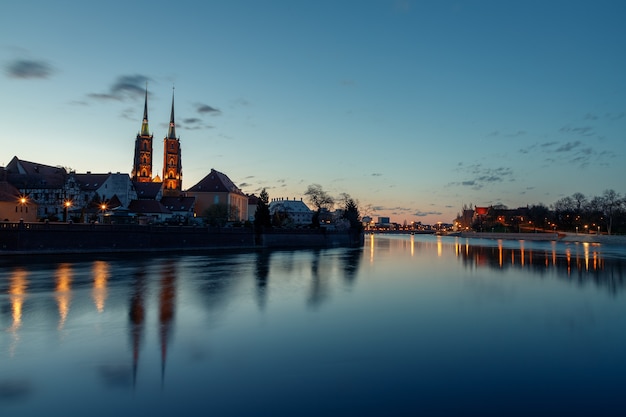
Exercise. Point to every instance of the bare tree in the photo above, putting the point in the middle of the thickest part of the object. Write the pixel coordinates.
(319, 198)
(611, 202)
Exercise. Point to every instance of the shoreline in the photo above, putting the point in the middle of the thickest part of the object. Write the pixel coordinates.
(558, 236)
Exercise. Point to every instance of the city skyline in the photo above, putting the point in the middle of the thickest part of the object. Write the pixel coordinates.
(413, 108)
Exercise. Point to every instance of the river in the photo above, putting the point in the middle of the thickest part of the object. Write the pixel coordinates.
(406, 325)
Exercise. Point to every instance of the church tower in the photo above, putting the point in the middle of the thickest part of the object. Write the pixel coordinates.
(172, 167)
(142, 163)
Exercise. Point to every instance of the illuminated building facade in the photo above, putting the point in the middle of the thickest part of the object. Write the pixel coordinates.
(172, 164)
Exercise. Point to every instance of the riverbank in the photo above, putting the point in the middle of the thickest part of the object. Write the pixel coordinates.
(51, 238)
(559, 236)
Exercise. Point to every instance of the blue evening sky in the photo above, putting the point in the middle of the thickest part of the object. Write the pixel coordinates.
(412, 107)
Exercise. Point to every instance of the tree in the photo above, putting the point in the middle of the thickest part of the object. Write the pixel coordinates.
(538, 214)
(320, 199)
(262, 216)
(611, 202)
(219, 214)
(351, 213)
(580, 199)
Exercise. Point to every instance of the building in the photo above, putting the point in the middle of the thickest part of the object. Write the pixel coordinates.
(217, 188)
(14, 206)
(181, 207)
(142, 162)
(104, 189)
(172, 179)
(291, 212)
(172, 162)
(149, 211)
(253, 202)
(44, 185)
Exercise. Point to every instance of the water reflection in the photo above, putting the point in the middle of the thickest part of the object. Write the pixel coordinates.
(17, 294)
(100, 272)
(262, 271)
(137, 315)
(578, 262)
(167, 306)
(465, 318)
(63, 292)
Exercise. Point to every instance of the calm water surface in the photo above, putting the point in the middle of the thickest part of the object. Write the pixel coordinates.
(406, 325)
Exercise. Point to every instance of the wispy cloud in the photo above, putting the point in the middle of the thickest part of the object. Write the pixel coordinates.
(124, 87)
(566, 147)
(580, 130)
(419, 213)
(29, 69)
(205, 108)
(481, 176)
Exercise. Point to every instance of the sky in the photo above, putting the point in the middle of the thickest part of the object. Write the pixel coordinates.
(413, 108)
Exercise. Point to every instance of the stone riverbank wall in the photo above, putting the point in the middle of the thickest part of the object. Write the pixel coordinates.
(77, 238)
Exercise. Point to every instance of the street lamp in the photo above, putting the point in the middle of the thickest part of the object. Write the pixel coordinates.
(23, 200)
(103, 207)
(66, 206)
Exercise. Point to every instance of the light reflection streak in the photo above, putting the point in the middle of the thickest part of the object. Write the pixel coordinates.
(100, 276)
(412, 245)
(500, 261)
(439, 246)
(586, 251)
(63, 292)
(371, 248)
(522, 253)
(17, 294)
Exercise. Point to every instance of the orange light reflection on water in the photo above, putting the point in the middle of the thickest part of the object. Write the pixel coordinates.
(63, 291)
(100, 276)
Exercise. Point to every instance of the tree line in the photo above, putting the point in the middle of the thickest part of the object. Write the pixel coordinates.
(605, 213)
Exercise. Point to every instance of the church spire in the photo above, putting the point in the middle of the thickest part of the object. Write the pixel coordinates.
(145, 131)
(171, 133)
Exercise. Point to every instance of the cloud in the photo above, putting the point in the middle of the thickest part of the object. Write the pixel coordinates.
(29, 69)
(566, 147)
(583, 130)
(205, 108)
(377, 174)
(420, 213)
(124, 87)
(482, 176)
(508, 135)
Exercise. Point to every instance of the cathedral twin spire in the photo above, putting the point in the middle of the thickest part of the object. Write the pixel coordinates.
(172, 167)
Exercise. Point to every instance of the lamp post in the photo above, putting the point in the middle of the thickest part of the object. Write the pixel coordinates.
(103, 207)
(22, 202)
(66, 206)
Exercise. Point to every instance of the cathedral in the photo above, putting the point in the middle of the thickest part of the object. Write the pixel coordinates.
(172, 178)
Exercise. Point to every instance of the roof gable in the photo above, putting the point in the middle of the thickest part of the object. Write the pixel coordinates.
(148, 207)
(178, 203)
(89, 181)
(216, 182)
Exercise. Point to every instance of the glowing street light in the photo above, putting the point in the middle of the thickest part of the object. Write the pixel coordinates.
(66, 206)
(103, 207)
